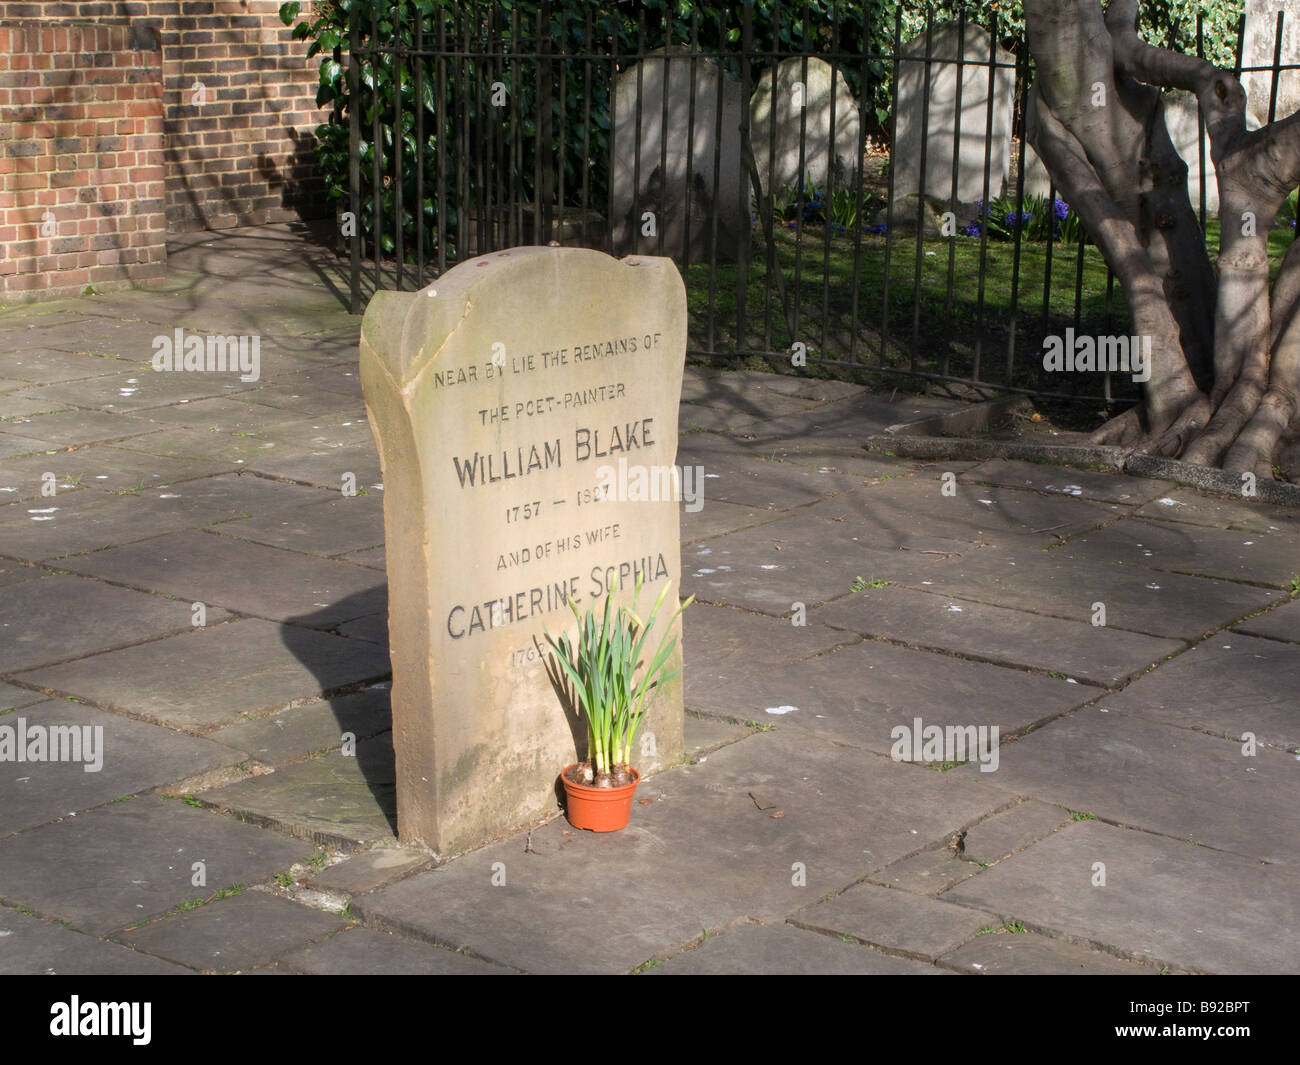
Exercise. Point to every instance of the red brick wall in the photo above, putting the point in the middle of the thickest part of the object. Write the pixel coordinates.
(81, 160)
(245, 155)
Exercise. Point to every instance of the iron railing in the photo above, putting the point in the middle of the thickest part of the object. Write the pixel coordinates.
(489, 138)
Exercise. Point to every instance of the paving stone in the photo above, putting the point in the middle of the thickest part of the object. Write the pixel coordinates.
(12, 444)
(108, 468)
(700, 855)
(333, 526)
(126, 337)
(1229, 685)
(140, 387)
(1091, 653)
(217, 674)
(23, 480)
(20, 325)
(703, 385)
(1130, 771)
(1028, 954)
(133, 860)
(823, 390)
(976, 514)
(714, 519)
(1055, 584)
(317, 432)
(859, 694)
(365, 952)
(131, 757)
(15, 573)
(52, 619)
(849, 422)
(244, 494)
(894, 920)
(1012, 830)
(15, 406)
(853, 462)
(1199, 508)
(79, 522)
(1261, 558)
(13, 697)
(242, 576)
(715, 636)
(302, 731)
(333, 378)
(803, 560)
(374, 558)
(701, 733)
(1165, 901)
(198, 444)
(45, 365)
(1089, 484)
(360, 873)
(1280, 624)
(222, 414)
(335, 799)
(243, 307)
(233, 933)
(927, 873)
(727, 416)
(322, 467)
(749, 481)
(280, 395)
(71, 427)
(29, 947)
(753, 949)
(372, 628)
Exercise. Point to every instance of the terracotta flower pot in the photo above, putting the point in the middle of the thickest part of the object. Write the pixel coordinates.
(598, 809)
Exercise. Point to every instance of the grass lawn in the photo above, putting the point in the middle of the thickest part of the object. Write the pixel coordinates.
(939, 319)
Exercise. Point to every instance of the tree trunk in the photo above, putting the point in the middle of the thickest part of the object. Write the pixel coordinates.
(1225, 368)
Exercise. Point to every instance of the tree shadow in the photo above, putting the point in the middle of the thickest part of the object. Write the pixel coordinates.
(355, 681)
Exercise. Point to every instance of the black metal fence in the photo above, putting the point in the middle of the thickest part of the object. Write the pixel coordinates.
(494, 132)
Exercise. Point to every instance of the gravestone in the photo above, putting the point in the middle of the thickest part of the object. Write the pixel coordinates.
(1257, 51)
(942, 139)
(1037, 180)
(803, 102)
(502, 399)
(653, 174)
(1183, 122)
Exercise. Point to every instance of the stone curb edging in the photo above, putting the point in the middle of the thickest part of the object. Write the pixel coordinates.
(921, 440)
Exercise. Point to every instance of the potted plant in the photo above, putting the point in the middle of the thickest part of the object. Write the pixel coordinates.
(602, 667)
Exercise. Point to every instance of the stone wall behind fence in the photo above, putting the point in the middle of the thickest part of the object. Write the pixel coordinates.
(81, 160)
(239, 146)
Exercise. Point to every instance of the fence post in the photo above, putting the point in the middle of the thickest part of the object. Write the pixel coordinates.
(354, 157)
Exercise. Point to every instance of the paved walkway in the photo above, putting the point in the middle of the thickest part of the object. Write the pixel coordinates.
(1124, 829)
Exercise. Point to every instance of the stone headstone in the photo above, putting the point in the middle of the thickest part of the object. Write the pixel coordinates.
(943, 141)
(653, 174)
(803, 104)
(1257, 51)
(1037, 180)
(506, 399)
(1183, 122)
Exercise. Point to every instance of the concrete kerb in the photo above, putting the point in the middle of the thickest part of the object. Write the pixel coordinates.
(928, 440)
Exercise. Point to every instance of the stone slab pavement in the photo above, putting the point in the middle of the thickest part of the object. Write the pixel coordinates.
(182, 574)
